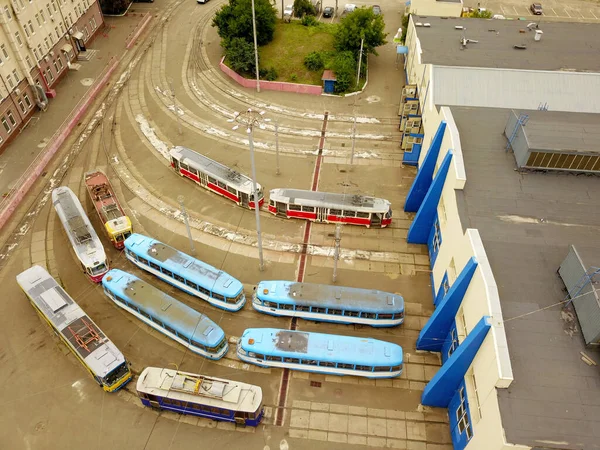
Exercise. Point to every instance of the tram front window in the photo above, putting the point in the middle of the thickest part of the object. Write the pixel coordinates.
(388, 214)
(116, 374)
(98, 269)
(119, 238)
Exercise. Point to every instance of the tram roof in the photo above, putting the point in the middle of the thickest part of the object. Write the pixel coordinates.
(81, 233)
(330, 200)
(101, 355)
(109, 205)
(325, 295)
(329, 347)
(216, 392)
(214, 168)
(171, 312)
(184, 265)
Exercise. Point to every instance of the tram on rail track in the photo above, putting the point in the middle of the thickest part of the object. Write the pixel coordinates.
(84, 240)
(323, 302)
(330, 207)
(117, 224)
(215, 177)
(321, 353)
(80, 334)
(185, 272)
(199, 395)
(165, 314)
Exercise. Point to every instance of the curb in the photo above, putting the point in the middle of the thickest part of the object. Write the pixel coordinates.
(141, 28)
(53, 148)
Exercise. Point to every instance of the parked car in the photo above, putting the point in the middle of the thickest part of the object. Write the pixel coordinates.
(377, 10)
(328, 11)
(499, 17)
(349, 7)
(289, 10)
(536, 9)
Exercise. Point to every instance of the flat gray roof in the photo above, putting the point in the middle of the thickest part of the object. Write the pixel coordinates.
(558, 131)
(526, 222)
(564, 46)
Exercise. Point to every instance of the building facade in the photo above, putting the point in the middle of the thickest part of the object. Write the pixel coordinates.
(39, 40)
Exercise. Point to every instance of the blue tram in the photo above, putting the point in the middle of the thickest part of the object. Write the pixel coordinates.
(323, 353)
(322, 302)
(198, 395)
(185, 272)
(165, 314)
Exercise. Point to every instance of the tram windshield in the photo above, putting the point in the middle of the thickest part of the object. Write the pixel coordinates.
(98, 269)
(116, 374)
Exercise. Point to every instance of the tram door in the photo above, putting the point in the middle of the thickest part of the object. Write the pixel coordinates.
(175, 164)
(203, 179)
(376, 219)
(282, 209)
(244, 199)
(321, 214)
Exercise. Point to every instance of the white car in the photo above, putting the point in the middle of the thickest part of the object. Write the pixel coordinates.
(201, 1)
(289, 10)
(349, 7)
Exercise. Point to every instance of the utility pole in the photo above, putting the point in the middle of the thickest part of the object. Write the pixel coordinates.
(187, 224)
(175, 108)
(353, 142)
(336, 251)
(362, 41)
(255, 48)
(250, 119)
(277, 147)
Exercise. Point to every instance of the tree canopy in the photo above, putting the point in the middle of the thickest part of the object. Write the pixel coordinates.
(114, 6)
(235, 20)
(361, 23)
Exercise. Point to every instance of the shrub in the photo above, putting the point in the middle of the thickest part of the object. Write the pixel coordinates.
(309, 21)
(271, 74)
(294, 77)
(344, 67)
(240, 55)
(304, 8)
(314, 61)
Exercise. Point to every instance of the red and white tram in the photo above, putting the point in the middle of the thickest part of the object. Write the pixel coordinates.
(84, 240)
(215, 177)
(330, 207)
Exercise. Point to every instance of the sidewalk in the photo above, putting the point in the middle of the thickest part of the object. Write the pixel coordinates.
(75, 86)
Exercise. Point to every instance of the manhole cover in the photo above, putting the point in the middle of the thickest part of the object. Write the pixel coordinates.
(373, 99)
(87, 81)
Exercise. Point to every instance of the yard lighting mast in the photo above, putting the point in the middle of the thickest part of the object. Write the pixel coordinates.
(250, 119)
(255, 48)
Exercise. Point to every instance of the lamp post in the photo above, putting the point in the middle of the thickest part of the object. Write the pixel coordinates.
(180, 199)
(255, 48)
(250, 119)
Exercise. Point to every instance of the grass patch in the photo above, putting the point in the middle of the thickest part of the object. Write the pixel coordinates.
(291, 43)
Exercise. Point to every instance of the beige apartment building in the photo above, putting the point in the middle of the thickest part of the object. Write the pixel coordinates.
(39, 40)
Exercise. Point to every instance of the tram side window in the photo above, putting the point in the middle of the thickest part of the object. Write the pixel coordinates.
(326, 364)
(362, 215)
(203, 291)
(167, 272)
(169, 329)
(130, 253)
(345, 366)
(157, 322)
(335, 212)
(212, 180)
(381, 369)
(308, 209)
(273, 358)
(142, 260)
(271, 203)
(184, 166)
(231, 190)
(351, 313)
(178, 278)
(194, 171)
(192, 285)
(154, 266)
(316, 309)
(310, 362)
(335, 312)
(145, 314)
(287, 307)
(302, 308)
(385, 316)
(396, 368)
(270, 304)
(291, 360)
(218, 297)
(221, 185)
(368, 315)
(293, 207)
(349, 214)
(119, 299)
(364, 368)
(199, 345)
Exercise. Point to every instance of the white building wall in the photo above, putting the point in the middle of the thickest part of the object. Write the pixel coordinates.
(491, 368)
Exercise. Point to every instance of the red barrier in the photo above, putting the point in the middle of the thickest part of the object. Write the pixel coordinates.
(141, 26)
(39, 164)
(281, 86)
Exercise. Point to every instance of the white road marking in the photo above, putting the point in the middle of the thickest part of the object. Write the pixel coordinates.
(567, 13)
(592, 12)
(554, 12)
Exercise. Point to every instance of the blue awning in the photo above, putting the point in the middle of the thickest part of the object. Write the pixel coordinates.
(401, 49)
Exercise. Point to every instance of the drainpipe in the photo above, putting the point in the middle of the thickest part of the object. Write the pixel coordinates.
(42, 101)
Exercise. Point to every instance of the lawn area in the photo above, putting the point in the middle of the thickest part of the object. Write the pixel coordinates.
(291, 43)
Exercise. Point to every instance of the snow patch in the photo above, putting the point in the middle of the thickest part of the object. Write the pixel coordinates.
(148, 131)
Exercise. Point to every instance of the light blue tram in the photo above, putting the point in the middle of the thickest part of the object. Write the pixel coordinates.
(323, 353)
(165, 314)
(323, 302)
(185, 272)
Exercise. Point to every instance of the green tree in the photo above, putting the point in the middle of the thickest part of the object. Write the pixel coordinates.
(344, 67)
(356, 25)
(114, 6)
(235, 20)
(240, 55)
(481, 14)
(304, 8)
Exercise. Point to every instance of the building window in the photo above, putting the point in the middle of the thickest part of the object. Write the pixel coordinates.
(70, 22)
(6, 125)
(7, 12)
(16, 75)
(454, 343)
(57, 33)
(46, 43)
(4, 52)
(60, 63)
(464, 425)
(56, 66)
(35, 52)
(27, 101)
(39, 47)
(445, 285)
(18, 38)
(10, 81)
(11, 118)
(54, 6)
(42, 15)
(86, 32)
(38, 20)
(28, 61)
(22, 105)
(50, 74)
(476, 394)
(30, 27)
(49, 10)
(93, 23)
